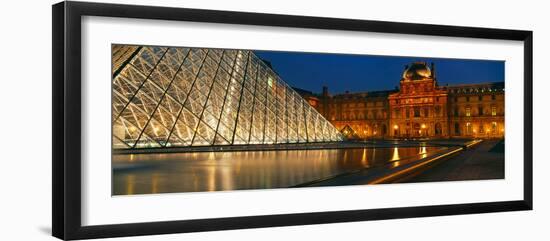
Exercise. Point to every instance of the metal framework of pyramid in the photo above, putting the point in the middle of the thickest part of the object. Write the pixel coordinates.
(177, 97)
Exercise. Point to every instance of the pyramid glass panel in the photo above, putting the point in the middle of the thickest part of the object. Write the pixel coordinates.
(180, 97)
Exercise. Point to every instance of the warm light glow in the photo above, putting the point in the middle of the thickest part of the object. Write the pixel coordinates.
(395, 155)
(364, 158)
(395, 127)
(423, 153)
(423, 126)
(130, 182)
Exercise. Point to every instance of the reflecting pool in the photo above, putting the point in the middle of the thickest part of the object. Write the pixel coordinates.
(237, 170)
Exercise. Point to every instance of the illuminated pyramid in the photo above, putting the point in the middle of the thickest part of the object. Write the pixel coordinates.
(176, 97)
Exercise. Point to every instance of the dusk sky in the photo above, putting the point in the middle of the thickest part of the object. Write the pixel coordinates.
(358, 73)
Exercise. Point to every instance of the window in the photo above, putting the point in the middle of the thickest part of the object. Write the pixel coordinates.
(493, 110)
(457, 128)
(479, 110)
(456, 111)
(416, 112)
(493, 97)
(467, 98)
(438, 130)
(494, 127)
(480, 98)
(468, 111)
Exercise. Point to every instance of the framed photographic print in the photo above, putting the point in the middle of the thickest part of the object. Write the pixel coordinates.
(170, 120)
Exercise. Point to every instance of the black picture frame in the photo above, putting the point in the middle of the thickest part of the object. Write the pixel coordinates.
(67, 137)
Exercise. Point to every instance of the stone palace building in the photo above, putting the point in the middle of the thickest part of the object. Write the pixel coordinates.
(419, 108)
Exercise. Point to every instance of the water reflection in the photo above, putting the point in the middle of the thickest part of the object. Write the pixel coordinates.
(423, 153)
(395, 156)
(215, 171)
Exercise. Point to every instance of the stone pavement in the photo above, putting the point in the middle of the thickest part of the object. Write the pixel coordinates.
(481, 162)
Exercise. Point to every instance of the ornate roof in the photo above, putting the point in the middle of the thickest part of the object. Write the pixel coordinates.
(417, 71)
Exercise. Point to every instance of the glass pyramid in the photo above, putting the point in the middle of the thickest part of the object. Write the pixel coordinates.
(177, 97)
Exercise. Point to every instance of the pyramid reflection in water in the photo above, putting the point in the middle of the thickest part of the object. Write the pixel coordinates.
(176, 97)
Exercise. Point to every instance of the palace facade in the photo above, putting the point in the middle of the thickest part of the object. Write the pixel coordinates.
(419, 108)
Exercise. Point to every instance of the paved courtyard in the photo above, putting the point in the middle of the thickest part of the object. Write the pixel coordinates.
(482, 162)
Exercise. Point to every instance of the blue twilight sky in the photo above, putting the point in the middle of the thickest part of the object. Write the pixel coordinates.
(357, 73)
